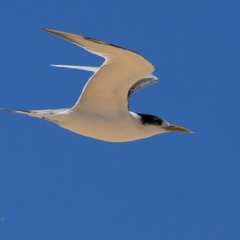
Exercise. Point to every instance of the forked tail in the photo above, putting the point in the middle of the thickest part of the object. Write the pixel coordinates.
(50, 115)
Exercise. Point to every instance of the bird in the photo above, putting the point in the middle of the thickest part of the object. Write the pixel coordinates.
(102, 110)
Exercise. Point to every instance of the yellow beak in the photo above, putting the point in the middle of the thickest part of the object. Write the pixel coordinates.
(174, 128)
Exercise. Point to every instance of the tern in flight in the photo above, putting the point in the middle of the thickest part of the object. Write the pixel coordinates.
(102, 110)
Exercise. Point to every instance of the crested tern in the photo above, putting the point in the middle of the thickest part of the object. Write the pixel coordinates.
(102, 110)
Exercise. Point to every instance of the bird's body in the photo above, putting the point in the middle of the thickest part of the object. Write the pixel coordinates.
(116, 128)
(119, 128)
(101, 111)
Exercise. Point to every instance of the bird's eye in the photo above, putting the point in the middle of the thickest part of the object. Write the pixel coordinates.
(157, 121)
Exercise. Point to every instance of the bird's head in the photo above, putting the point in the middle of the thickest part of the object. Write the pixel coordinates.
(158, 125)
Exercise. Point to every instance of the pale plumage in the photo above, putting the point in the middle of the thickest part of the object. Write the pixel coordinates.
(101, 111)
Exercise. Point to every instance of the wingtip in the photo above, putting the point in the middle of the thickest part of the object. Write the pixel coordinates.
(49, 30)
(44, 29)
(56, 32)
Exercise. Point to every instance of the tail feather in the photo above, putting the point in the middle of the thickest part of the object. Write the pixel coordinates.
(50, 115)
(31, 113)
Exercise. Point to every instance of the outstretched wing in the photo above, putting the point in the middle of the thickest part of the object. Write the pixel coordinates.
(107, 90)
(144, 82)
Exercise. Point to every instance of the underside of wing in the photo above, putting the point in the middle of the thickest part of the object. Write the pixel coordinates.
(144, 82)
(107, 90)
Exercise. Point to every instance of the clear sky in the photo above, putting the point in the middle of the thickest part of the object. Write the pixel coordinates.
(59, 185)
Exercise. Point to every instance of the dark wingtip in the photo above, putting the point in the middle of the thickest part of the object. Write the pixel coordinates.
(56, 32)
(46, 29)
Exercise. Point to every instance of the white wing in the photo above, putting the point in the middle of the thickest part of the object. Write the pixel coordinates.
(106, 91)
(86, 68)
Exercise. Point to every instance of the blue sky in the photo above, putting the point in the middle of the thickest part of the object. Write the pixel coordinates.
(59, 185)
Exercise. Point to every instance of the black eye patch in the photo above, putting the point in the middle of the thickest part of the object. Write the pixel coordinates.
(150, 119)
